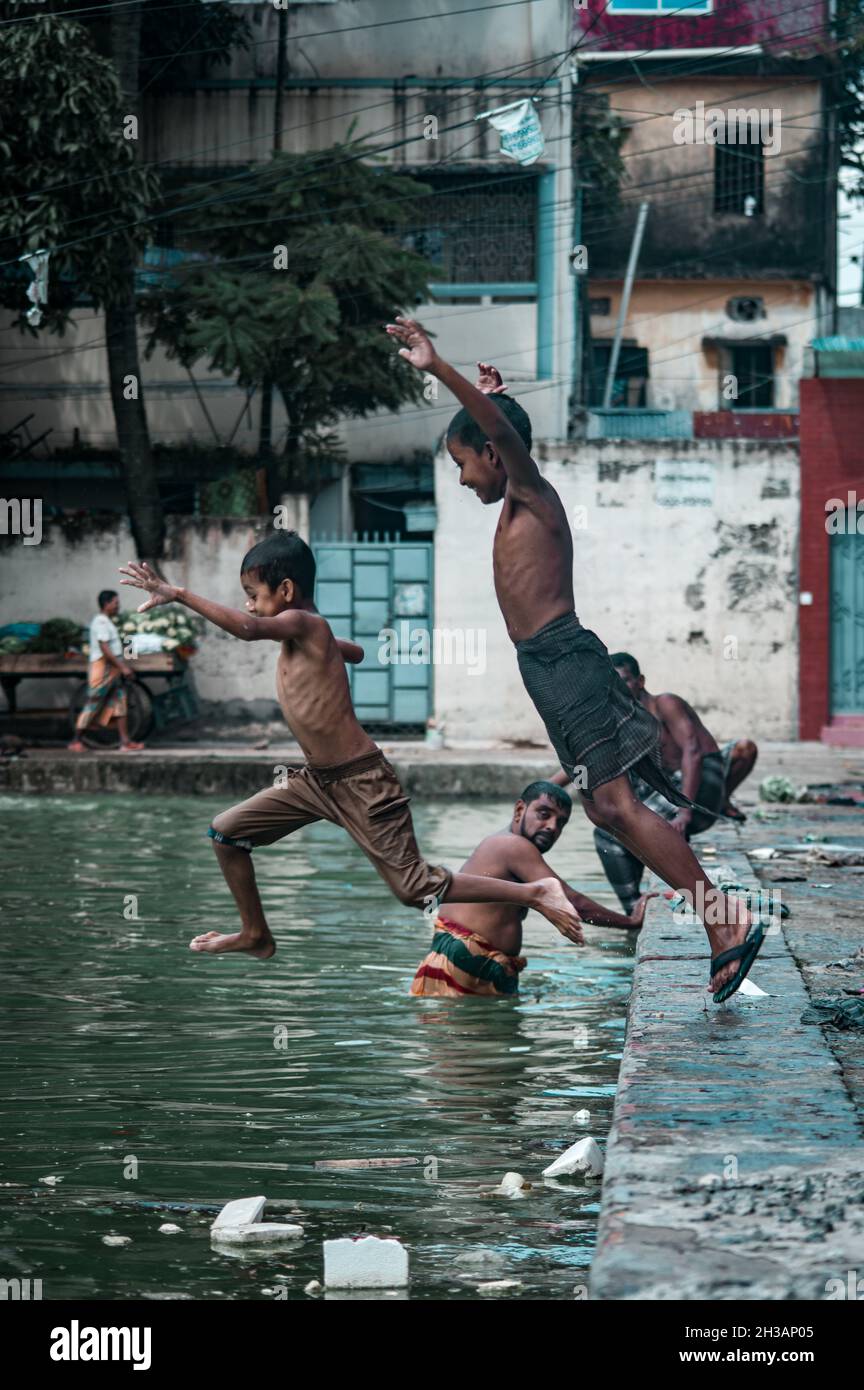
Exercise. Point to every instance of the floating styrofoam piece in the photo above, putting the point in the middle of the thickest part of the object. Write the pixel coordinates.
(313, 1288)
(765, 853)
(169, 1229)
(116, 1240)
(582, 1117)
(511, 1185)
(239, 1223)
(366, 1262)
(748, 987)
(496, 1286)
(581, 1157)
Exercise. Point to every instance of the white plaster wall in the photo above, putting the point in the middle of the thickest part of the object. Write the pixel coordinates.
(59, 579)
(671, 585)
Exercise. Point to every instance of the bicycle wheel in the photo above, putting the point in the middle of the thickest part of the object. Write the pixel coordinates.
(139, 717)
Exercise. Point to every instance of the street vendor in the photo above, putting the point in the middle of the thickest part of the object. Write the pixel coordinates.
(106, 695)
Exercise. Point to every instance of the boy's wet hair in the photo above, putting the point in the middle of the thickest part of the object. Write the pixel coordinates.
(464, 428)
(284, 555)
(105, 596)
(551, 789)
(628, 662)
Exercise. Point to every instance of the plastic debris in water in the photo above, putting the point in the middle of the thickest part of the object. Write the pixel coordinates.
(496, 1286)
(582, 1157)
(512, 1185)
(366, 1262)
(582, 1117)
(116, 1240)
(169, 1229)
(239, 1223)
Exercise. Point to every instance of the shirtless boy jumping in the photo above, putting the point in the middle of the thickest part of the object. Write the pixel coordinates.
(597, 729)
(346, 778)
(475, 949)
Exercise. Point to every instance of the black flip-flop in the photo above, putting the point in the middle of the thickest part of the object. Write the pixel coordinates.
(746, 953)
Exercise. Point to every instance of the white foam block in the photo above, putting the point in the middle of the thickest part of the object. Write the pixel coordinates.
(243, 1212)
(581, 1157)
(256, 1233)
(239, 1223)
(366, 1263)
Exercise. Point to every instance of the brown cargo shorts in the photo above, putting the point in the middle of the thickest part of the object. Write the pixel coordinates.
(364, 796)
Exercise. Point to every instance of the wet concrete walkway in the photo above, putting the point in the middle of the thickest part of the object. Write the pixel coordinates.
(733, 1166)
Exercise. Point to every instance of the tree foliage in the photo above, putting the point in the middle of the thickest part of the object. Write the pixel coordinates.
(69, 175)
(330, 219)
(849, 22)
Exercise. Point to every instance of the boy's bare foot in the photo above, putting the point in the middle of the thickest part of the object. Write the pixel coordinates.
(263, 947)
(637, 915)
(723, 938)
(76, 746)
(732, 811)
(131, 747)
(553, 902)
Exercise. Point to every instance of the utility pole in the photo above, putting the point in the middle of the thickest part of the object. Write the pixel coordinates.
(635, 246)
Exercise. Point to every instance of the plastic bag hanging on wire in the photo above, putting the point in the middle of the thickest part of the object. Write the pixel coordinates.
(520, 130)
(37, 290)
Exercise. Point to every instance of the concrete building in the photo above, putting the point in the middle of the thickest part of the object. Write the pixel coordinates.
(684, 490)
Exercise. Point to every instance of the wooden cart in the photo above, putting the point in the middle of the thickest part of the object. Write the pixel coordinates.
(148, 709)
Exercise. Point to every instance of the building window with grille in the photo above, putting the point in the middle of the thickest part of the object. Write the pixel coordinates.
(477, 227)
(739, 179)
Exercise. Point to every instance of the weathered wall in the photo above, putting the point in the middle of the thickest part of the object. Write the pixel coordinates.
(64, 383)
(683, 587)
(70, 392)
(780, 27)
(60, 578)
(684, 237)
(671, 319)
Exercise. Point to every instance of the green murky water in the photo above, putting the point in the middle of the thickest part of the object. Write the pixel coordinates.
(213, 1078)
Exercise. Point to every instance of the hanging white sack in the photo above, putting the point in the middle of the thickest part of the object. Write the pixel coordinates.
(520, 129)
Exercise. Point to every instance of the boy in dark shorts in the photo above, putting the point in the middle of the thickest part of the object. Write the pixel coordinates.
(346, 779)
(597, 729)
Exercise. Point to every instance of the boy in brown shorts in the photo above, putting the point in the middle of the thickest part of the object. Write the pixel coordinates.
(346, 778)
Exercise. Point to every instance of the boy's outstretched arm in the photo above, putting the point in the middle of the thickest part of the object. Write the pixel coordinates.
(528, 864)
(289, 625)
(522, 472)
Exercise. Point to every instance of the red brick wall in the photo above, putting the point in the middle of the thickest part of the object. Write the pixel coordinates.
(733, 424)
(832, 464)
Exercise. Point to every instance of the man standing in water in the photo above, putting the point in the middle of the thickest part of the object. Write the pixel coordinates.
(598, 730)
(475, 950)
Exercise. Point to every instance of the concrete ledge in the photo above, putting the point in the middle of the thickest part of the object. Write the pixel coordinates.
(733, 1162)
(188, 773)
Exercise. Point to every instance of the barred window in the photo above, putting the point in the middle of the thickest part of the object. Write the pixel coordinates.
(739, 179)
(477, 227)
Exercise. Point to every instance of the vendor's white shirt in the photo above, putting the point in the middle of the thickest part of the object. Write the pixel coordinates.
(103, 630)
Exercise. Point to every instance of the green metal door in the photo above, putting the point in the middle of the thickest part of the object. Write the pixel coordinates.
(380, 596)
(847, 624)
